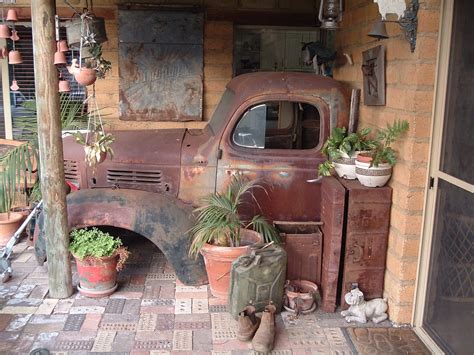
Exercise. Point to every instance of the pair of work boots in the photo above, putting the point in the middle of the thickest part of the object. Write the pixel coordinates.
(264, 329)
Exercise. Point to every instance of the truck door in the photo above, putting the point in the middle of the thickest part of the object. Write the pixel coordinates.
(279, 142)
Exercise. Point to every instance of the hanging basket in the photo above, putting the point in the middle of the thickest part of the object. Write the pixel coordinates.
(86, 76)
(73, 31)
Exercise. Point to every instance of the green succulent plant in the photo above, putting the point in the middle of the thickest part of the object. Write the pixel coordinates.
(219, 222)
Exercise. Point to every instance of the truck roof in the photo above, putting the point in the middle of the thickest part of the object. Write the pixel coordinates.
(254, 84)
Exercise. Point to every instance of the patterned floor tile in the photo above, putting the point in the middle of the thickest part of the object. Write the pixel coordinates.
(200, 306)
(165, 322)
(103, 341)
(161, 277)
(74, 322)
(183, 340)
(223, 326)
(74, 345)
(115, 305)
(183, 306)
(153, 344)
(147, 322)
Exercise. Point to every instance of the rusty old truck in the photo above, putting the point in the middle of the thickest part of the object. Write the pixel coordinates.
(267, 125)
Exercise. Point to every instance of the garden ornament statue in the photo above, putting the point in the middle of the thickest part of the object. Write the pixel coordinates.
(361, 310)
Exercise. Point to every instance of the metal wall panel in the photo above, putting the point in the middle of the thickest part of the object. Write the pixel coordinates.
(161, 65)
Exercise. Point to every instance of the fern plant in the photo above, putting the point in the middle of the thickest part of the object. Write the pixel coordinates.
(95, 244)
(383, 152)
(340, 143)
(219, 222)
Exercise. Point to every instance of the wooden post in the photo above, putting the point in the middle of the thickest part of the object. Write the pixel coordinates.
(51, 149)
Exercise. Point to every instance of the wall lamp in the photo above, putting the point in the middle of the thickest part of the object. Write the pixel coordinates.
(407, 19)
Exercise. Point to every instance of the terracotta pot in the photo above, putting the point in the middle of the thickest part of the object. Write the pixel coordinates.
(9, 223)
(218, 261)
(14, 57)
(12, 15)
(4, 31)
(64, 86)
(364, 158)
(300, 296)
(59, 58)
(97, 276)
(62, 46)
(86, 76)
(372, 176)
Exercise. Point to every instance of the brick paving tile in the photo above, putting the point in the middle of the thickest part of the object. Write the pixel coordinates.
(165, 322)
(74, 322)
(24, 344)
(124, 341)
(63, 306)
(154, 335)
(83, 301)
(132, 307)
(47, 306)
(183, 306)
(91, 322)
(152, 292)
(103, 342)
(115, 305)
(147, 322)
(45, 340)
(137, 280)
(18, 310)
(183, 340)
(200, 306)
(18, 322)
(198, 295)
(127, 294)
(23, 291)
(40, 291)
(167, 291)
(5, 320)
(153, 344)
(202, 340)
(116, 318)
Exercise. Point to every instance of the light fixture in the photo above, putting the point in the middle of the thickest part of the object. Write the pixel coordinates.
(408, 22)
(330, 14)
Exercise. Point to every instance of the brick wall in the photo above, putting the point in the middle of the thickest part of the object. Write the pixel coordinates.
(410, 90)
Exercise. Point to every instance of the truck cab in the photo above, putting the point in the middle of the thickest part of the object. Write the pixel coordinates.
(269, 126)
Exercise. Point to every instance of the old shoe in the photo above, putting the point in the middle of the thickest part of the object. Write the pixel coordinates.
(248, 323)
(263, 339)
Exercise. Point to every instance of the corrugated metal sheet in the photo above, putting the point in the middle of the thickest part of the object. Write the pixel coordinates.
(161, 65)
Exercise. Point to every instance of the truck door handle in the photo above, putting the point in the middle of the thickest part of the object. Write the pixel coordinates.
(284, 174)
(312, 181)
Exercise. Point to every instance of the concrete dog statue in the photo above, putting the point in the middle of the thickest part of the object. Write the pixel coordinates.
(361, 310)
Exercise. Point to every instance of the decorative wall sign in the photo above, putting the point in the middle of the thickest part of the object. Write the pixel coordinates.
(373, 69)
(161, 65)
(397, 7)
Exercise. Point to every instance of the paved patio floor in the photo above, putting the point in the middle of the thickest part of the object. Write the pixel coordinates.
(153, 313)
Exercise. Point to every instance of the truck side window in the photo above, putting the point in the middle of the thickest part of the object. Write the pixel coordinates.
(278, 125)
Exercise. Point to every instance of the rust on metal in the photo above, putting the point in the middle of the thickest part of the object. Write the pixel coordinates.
(161, 65)
(366, 238)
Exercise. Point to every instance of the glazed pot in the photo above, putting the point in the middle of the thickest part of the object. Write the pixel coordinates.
(97, 276)
(9, 223)
(300, 296)
(372, 176)
(86, 76)
(218, 261)
(345, 166)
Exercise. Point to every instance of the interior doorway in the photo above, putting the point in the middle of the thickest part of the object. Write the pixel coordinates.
(445, 296)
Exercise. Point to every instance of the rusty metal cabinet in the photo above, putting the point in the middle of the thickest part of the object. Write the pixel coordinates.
(367, 221)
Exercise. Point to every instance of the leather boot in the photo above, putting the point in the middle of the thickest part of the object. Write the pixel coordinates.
(263, 339)
(248, 323)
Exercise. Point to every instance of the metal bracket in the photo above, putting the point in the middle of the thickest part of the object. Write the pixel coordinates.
(409, 23)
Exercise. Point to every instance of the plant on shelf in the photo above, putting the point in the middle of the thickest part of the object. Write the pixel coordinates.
(341, 150)
(98, 256)
(96, 146)
(374, 167)
(221, 234)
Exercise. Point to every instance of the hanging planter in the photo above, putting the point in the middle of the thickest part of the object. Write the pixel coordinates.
(85, 76)
(96, 142)
(93, 24)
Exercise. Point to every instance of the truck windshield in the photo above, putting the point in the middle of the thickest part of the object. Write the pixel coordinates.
(219, 118)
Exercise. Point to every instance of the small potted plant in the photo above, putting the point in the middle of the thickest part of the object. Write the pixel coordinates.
(98, 257)
(221, 234)
(96, 146)
(94, 67)
(341, 149)
(374, 168)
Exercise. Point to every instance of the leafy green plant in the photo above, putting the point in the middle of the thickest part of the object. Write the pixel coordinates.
(96, 147)
(340, 143)
(95, 244)
(219, 222)
(20, 162)
(97, 62)
(383, 152)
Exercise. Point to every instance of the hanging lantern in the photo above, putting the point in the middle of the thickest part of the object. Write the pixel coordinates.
(4, 31)
(12, 15)
(330, 14)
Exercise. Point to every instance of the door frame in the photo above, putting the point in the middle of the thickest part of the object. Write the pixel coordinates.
(439, 105)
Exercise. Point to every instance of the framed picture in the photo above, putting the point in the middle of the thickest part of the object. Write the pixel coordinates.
(373, 69)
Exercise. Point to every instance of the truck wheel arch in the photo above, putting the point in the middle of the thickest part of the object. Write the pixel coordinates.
(162, 219)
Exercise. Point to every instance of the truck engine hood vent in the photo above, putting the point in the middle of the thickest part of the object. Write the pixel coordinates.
(71, 171)
(134, 178)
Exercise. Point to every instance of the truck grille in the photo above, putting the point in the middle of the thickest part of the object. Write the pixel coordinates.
(134, 178)
(71, 171)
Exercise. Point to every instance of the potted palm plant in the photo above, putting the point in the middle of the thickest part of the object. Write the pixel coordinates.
(221, 234)
(341, 149)
(98, 257)
(374, 168)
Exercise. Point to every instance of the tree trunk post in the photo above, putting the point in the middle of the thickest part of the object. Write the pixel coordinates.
(51, 149)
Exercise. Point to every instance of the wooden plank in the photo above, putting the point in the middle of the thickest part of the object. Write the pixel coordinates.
(51, 149)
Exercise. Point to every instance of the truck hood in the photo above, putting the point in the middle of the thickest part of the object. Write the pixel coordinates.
(155, 147)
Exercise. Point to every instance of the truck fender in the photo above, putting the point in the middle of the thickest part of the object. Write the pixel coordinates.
(162, 219)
